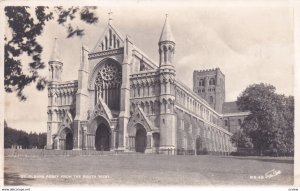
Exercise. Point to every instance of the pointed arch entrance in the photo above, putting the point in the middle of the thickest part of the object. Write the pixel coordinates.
(103, 137)
(140, 139)
(65, 139)
(69, 141)
(99, 136)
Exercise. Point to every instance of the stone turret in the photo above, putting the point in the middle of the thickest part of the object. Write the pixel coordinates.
(166, 45)
(167, 74)
(55, 65)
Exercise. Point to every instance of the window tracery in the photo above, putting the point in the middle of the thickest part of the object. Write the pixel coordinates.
(108, 83)
(109, 74)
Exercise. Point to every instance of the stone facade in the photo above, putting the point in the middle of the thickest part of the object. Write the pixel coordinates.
(210, 85)
(232, 117)
(124, 101)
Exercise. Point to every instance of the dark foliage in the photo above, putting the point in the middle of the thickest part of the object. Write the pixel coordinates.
(270, 126)
(26, 24)
(27, 141)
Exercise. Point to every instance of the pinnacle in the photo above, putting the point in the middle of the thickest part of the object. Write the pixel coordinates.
(55, 53)
(166, 34)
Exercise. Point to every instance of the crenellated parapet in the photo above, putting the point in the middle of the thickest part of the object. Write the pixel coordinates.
(210, 85)
(207, 70)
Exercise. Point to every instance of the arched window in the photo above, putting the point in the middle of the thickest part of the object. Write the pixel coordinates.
(170, 54)
(118, 43)
(211, 99)
(110, 38)
(212, 81)
(108, 83)
(201, 82)
(165, 54)
(106, 43)
(114, 41)
(142, 66)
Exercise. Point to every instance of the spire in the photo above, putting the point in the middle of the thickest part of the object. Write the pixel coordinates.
(55, 54)
(166, 34)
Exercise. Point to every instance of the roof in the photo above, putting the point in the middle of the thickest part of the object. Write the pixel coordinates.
(166, 34)
(109, 26)
(230, 107)
(55, 52)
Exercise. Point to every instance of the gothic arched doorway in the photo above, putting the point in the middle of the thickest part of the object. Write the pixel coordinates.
(64, 140)
(69, 141)
(102, 138)
(140, 140)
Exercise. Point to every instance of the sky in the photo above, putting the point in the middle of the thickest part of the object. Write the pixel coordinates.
(250, 43)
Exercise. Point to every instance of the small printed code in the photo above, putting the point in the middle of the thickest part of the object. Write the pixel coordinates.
(15, 189)
(293, 189)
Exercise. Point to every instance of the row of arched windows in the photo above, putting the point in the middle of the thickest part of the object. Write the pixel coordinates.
(152, 89)
(55, 72)
(166, 54)
(61, 100)
(196, 107)
(211, 81)
(56, 115)
(154, 107)
(110, 41)
(214, 139)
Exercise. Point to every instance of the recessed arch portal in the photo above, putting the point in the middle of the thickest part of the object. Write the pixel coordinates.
(69, 141)
(103, 137)
(66, 139)
(140, 139)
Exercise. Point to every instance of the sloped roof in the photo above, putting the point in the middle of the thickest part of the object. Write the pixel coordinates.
(166, 34)
(230, 107)
(110, 26)
(55, 52)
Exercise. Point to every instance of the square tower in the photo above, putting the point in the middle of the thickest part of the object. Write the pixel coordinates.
(210, 85)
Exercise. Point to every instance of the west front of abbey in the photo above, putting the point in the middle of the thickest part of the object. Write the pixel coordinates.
(124, 101)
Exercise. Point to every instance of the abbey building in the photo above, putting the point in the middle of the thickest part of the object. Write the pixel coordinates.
(123, 100)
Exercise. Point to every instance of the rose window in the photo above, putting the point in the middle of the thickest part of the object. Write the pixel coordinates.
(110, 72)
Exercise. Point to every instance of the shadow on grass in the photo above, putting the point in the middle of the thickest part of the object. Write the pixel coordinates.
(14, 179)
(273, 160)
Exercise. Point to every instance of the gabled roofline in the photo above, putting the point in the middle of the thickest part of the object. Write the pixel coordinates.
(112, 26)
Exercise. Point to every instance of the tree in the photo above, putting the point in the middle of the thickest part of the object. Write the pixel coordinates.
(270, 123)
(241, 140)
(19, 137)
(288, 115)
(26, 24)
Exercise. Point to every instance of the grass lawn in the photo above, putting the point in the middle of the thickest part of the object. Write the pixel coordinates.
(146, 170)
